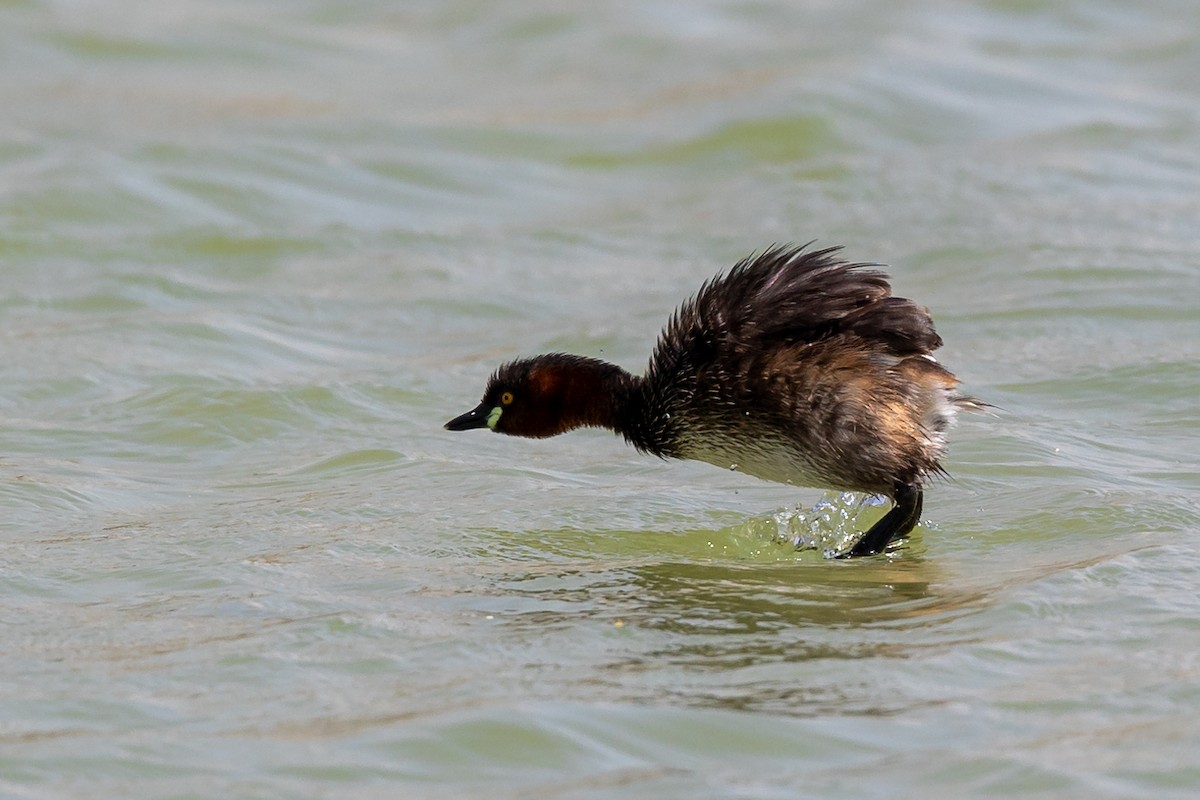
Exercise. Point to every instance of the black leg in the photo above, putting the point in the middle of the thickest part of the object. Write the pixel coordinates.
(896, 523)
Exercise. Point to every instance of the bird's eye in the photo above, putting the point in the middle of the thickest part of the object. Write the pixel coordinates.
(506, 398)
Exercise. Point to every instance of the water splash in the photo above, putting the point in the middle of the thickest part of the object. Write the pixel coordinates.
(829, 526)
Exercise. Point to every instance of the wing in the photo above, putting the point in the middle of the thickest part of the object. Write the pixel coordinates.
(789, 294)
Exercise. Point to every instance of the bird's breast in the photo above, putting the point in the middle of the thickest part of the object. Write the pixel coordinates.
(768, 458)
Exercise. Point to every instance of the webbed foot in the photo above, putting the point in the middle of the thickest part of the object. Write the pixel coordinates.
(903, 517)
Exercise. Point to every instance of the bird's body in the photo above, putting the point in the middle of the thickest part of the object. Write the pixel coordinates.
(793, 367)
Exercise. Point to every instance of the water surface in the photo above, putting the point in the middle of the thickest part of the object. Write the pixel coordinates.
(252, 257)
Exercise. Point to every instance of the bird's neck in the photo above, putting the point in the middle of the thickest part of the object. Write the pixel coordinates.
(586, 392)
(583, 392)
(627, 405)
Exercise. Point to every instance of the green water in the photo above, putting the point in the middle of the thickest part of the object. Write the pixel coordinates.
(252, 256)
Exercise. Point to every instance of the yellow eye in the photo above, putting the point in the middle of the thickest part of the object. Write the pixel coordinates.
(506, 398)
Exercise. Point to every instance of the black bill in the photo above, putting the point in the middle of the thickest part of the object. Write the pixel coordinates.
(475, 418)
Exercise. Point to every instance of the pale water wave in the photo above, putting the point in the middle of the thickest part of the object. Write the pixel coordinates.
(253, 256)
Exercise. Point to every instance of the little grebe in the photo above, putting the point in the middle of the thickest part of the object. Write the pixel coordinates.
(795, 367)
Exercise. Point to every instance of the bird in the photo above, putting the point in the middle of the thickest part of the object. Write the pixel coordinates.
(794, 366)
